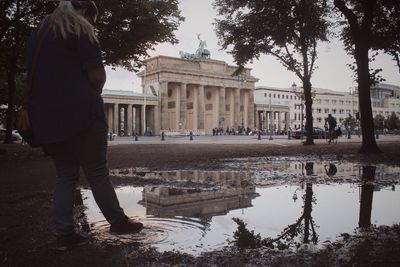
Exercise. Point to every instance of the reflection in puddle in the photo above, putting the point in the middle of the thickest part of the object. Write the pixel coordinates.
(310, 210)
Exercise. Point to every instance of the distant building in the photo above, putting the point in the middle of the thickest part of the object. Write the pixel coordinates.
(286, 105)
(182, 95)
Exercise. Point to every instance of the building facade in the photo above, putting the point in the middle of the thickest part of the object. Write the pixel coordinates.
(181, 95)
(287, 106)
(198, 95)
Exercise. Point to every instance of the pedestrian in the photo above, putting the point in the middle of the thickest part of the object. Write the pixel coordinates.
(330, 122)
(67, 115)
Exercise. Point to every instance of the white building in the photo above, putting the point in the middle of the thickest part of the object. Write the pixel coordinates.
(287, 106)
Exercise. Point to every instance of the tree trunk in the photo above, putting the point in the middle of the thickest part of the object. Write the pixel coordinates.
(364, 97)
(307, 213)
(367, 194)
(309, 119)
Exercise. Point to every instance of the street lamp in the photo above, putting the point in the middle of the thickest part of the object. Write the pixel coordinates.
(301, 96)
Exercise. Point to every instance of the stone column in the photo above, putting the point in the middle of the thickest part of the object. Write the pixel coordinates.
(177, 107)
(164, 105)
(137, 120)
(110, 117)
(257, 115)
(130, 120)
(216, 107)
(183, 106)
(195, 108)
(237, 119)
(266, 125)
(279, 121)
(250, 108)
(287, 120)
(116, 119)
(125, 121)
(222, 104)
(272, 121)
(157, 122)
(201, 107)
(246, 111)
(143, 119)
(232, 106)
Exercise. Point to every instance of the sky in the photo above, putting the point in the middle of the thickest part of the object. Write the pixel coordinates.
(332, 72)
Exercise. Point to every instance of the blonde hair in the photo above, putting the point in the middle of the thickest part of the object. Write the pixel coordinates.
(68, 20)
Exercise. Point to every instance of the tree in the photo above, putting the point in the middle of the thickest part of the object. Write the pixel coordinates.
(350, 122)
(17, 18)
(286, 29)
(123, 30)
(128, 29)
(387, 28)
(368, 27)
(393, 122)
(379, 122)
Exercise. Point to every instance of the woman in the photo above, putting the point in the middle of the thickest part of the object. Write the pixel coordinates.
(66, 110)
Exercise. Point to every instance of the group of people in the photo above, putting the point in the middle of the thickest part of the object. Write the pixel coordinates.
(240, 130)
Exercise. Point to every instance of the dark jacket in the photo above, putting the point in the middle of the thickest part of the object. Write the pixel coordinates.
(63, 102)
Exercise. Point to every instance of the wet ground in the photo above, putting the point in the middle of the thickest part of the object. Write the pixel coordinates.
(192, 211)
(301, 206)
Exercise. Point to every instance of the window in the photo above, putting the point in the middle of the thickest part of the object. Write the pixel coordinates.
(274, 95)
(171, 104)
(291, 97)
(341, 102)
(189, 105)
(209, 106)
(341, 111)
(334, 111)
(326, 111)
(227, 107)
(318, 110)
(279, 96)
(327, 101)
(270, 95)
(319, 119)
(265, 94)
(333, 102)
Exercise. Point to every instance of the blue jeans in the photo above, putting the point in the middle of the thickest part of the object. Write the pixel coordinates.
(89, 151)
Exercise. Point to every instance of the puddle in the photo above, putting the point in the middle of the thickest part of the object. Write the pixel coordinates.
(330, 198)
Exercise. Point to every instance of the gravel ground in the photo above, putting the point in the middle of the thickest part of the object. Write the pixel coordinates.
(26, 229)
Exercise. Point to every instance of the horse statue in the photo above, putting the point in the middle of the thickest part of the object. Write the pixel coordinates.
(201, 52)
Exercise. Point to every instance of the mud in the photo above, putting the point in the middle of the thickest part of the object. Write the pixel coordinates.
(26, 229)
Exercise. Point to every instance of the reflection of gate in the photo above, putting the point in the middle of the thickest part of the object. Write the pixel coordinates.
(208, 123)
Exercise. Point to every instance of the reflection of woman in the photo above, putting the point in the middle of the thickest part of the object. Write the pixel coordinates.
(331, 171)
(67, 114)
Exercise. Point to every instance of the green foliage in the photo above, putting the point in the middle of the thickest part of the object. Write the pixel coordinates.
(128, 29)
(393, 122)
(350, 122)
(378, 25)
(287, 30)
(379, 122)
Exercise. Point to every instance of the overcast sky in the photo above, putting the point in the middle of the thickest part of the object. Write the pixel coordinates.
(332, 72)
